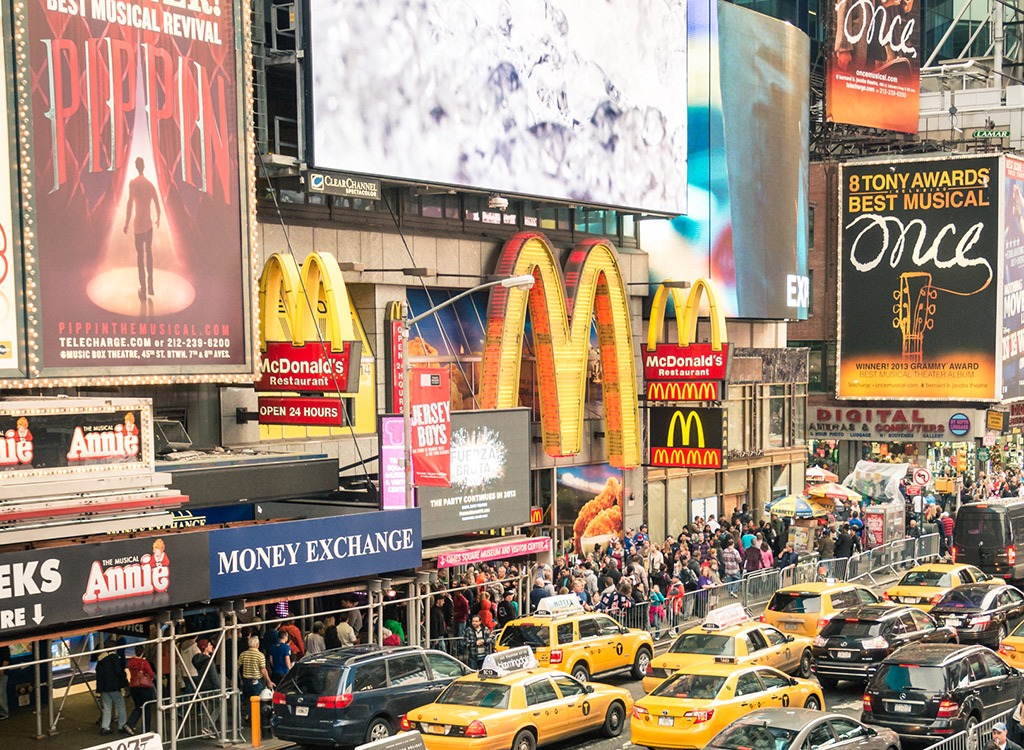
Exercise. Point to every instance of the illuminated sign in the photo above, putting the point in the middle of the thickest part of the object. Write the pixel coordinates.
(561, 310)
(308, 323)
(995, 420)
(301, 410)
(688, 438)
(687, 371)
(536, 515)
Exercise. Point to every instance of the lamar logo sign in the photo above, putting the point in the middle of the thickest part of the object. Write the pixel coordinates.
(688, 438)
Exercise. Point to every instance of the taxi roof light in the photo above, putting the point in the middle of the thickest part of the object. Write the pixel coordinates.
(563, 604)
(723, 617)
(501, 663)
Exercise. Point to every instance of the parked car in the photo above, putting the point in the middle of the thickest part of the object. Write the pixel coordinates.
(357, 694)
(981, 613)
(801, 729)
(857, 639)
(933, 690)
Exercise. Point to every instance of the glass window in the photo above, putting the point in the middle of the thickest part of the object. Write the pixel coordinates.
(798, 604)
(904, 624)
(692, 686)
(864, 596)
(588, 628)
(775, 638)
(754, 736)
(756, 641)
(922, 621)
(964, 598)
(539, 692)
(565, 634)
(904, 677)
(772, 680)
(407, 669)
(476, 694)
(607, 626)
(931, 578)
(569, 687)
(847, 729)
(311, 679)
(819, 737)
(372, 676)
(526, 634)
(747, 684)
(996, 667)
(977, 575)
(704, 643)
(838, 626)
(445, 667)
(776, 417)
(844, 599)
(976, 667)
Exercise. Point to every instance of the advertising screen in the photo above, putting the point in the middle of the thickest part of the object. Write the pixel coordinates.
(1013, 279)
(873, 64)
(140, 252)
(11, 347)
(746, 227)
(565, 99)
(918, 279)
(590, 498)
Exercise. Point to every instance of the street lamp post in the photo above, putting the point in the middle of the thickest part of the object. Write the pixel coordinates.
(524, 282)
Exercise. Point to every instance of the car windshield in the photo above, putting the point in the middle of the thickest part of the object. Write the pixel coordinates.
(526, 635)
(980, 527)
(741, 736)
(704, 643)
(851, 628)
(480, 694)
(964, 599)
(311, 679)
(795, 603)
(696, 686)
(901, 677)
(926, 578)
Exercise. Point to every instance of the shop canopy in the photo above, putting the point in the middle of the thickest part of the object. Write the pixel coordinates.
(818, 474)
(834, 491)
(797, 506)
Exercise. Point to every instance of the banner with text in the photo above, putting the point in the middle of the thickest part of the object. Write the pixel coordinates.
(874, 64)
(430, 420)
(1013, 279)
(12, 350)
(918, 287)
(141, 252)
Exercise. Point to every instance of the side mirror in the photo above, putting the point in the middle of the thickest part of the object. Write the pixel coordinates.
(623, 629)
(790, 639)
(589, 688)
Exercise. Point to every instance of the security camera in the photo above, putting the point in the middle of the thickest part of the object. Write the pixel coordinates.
(498, 202)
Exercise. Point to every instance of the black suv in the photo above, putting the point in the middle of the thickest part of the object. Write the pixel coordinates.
(348, 696)
(856, 639)
(925, 691)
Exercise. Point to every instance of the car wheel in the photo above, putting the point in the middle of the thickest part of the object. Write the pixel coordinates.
(580, 672)
(643, 658)
(1002, 634)
(812, 703)
(614, 720)
(805, 664)
(829, 683)
(524, 741)
(379, 729)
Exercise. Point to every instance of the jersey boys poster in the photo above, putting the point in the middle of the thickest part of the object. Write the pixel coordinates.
(140, 250)
(919, 262)
(874, 64)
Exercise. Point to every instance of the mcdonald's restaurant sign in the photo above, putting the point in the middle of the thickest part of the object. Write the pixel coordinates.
(688, 438)
(686, 371)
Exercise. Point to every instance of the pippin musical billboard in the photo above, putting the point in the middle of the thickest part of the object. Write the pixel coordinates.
(137, 250)
(918, 279)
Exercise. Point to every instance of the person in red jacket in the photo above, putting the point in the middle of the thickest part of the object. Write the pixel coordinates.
(947, 529)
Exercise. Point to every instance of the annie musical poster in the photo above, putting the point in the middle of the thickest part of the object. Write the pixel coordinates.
(919, 280)
(140, 250)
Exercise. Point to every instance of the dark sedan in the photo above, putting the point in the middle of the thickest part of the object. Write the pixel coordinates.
(981, 613)
(857, 639)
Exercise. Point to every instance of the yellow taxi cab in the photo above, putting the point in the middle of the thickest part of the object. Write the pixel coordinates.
(695, 704)
(564, 636)
(923, 586)
(513, 703)
(729, 632)
(805, 608)
(1012, 647)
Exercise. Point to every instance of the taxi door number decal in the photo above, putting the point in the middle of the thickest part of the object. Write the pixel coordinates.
(586, 708)
(618, 649)
(785, 699)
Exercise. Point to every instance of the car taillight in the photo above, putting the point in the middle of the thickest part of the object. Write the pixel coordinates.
(953, 552)
(650, 670)
(404, 724)
(334, 701)
(556, 656)
(1011, 555)
(886, 597)
(948, 709)
(1006, 649)
(980, 620)
(867, 702)
(278, 698)
(878, 642)
(936, 599)
(762, 618)
(476, 729)
(699, 717)
(820, 641)
(639, 712)
(822, 622)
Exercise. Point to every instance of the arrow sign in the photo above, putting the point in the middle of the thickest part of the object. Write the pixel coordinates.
(37, 614)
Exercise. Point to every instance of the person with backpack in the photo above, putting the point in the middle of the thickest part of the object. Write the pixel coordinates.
(110, 681)
(142, 687)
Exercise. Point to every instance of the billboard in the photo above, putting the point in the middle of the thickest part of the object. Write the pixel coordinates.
(873, 66)
(137, 248)
(747, 129)
(686, 437)
(12, 350)
(562, 99)
(1013, 278)
(918, 287)
(591, 499)
(430, 426)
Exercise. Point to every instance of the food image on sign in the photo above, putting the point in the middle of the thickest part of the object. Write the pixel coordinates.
(591, 498)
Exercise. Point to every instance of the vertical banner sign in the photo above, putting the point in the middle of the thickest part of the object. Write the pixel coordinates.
(918, 287)
(1013, 278)
(874, 64)
(11, 347)
(430, 417)
(140, 247)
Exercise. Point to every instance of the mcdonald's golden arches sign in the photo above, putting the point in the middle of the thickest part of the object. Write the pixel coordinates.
(687, 438)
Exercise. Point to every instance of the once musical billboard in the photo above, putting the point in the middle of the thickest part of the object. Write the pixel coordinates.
(137, 236)
(1013, 278)
(873, 64)
(918, 279)
(748, 128)
(564, 99)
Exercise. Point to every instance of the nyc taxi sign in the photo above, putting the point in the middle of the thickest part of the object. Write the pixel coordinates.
(559, 605)
(684, 437)
(724, 617)
(512, 660)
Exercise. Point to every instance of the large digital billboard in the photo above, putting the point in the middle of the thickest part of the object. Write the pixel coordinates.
(137, 233)
(918, 279)
(873, 63)
(746, 227)
(565, 99)
(1013, 278)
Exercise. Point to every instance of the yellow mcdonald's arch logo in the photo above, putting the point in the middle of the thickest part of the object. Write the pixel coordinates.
(310, 305)
(682, 391)
(686, 314)
(686, 457)
(561, 309)
(685, 422)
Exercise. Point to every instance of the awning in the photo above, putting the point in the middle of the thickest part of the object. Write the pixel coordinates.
(494, 548)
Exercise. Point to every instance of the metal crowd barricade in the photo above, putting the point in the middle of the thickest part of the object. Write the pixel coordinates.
(975, 739)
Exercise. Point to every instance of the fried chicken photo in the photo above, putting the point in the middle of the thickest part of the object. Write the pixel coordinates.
(608, 521)
(605, 499)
